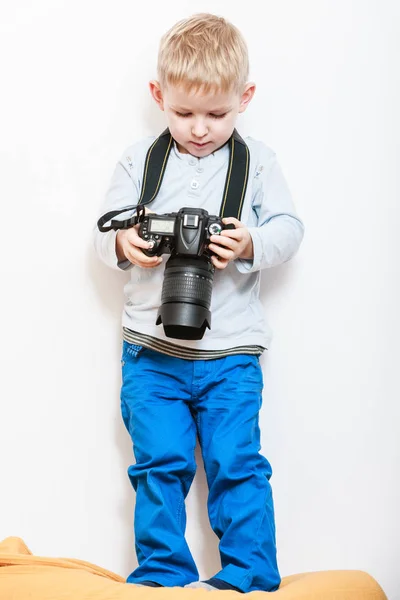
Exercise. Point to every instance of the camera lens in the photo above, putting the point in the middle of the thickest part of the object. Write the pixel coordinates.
(186, 297)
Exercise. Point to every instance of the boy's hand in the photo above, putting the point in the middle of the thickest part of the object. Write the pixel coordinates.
(128, 245)
(231, 244)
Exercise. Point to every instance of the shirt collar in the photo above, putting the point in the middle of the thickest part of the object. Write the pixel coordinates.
(220, 155)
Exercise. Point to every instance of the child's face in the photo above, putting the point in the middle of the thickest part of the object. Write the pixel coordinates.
(200, 122)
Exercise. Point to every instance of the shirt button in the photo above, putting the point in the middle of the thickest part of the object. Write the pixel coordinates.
(194, 185)
(199, 170)
(192, 162)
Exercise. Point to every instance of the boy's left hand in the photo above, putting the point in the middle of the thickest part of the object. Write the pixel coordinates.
(231, 244)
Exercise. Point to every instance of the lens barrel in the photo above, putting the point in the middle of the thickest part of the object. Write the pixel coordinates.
(186, 297)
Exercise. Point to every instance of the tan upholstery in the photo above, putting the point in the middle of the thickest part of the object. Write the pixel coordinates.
(24, 576)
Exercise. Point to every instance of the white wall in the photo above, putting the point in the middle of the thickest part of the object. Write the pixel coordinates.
(74, 95)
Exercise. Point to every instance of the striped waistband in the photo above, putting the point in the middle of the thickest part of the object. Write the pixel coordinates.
(148, 341)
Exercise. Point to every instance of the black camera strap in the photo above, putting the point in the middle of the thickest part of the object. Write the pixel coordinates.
(236, 178)
(154, 169)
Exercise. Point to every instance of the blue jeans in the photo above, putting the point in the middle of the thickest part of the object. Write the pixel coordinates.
(165, 402)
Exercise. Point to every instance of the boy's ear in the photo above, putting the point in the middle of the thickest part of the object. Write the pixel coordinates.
(247, 95)
(155, 91)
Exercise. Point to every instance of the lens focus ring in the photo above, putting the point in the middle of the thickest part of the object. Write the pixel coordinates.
(187, 287)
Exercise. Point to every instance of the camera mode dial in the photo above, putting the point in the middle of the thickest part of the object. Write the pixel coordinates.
(214, 229)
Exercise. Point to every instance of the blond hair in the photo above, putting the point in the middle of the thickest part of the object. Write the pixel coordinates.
(203, 52)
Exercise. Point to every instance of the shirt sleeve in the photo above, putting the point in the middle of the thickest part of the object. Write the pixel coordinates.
(279, 230)
(123, 192)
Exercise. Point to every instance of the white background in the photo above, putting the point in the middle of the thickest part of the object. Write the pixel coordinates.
(73, 96)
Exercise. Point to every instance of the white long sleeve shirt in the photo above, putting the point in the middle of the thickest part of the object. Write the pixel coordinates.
(238, 317)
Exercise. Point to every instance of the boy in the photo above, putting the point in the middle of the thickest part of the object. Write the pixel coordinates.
(173, 391)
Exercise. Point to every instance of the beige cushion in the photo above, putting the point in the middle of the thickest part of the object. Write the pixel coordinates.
(24, 576)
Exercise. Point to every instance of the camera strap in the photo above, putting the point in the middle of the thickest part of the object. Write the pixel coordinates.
(236, 178)
(154, 169)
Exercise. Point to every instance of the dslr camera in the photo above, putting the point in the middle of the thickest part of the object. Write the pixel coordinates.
(189, 272)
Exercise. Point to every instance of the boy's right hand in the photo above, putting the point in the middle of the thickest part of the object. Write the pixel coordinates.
(128, 245)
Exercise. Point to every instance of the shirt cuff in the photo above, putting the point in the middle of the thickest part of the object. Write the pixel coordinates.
(249, 265)
(124, 264)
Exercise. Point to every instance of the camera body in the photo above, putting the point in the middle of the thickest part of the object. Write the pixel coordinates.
(185, 233)
(189, 272)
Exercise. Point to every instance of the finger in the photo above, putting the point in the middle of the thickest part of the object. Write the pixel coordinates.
(135, 240)
(150, 266)
(219, 263)
(231, 220)
(222, 252)
(139, 258)
(234, 234)
(223, 240)
(146, 265)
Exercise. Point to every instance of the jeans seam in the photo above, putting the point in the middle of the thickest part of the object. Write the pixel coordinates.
(182, 500)
(257, 544)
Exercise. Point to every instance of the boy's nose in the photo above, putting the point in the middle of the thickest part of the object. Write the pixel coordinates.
(199, 129)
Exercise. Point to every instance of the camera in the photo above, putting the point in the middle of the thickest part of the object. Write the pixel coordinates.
(189, 272)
